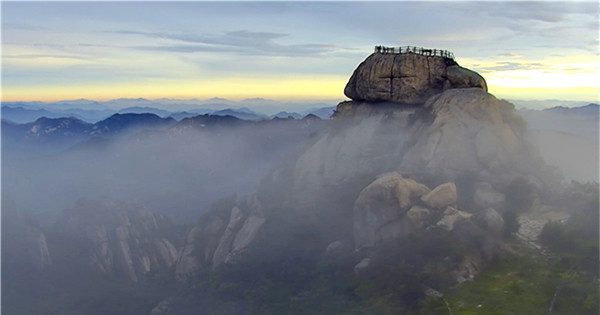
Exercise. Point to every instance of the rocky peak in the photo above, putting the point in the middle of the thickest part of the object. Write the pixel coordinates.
(221, 237)
(408, 75)
(121, 238)
(24, 246)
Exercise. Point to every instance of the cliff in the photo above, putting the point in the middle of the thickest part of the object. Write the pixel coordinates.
(24, 247)
(121, 239)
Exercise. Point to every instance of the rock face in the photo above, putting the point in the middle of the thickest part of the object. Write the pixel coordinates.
(442, 196)
(408, 78)
(362, 266)
(121, 239)
(392, 206)
(220, 238)
(486, 196)
(490, 220)
(392, 209)
(471, 132)
(24, 244)
(226, 242)
(380, 211)
(451, 217)
(460, 131)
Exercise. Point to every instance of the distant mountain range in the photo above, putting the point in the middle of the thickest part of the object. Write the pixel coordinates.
(93, 111)
(48, 135)
(567, 138)
(69, 130)
(577, 121)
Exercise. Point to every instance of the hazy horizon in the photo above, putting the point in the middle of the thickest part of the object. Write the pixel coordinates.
(286, 51)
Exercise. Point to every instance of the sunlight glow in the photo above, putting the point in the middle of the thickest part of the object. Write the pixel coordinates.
(296, 88)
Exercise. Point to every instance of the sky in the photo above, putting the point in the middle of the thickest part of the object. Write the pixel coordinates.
(286, 50)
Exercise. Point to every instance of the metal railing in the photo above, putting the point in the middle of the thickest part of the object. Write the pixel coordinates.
(414, 50)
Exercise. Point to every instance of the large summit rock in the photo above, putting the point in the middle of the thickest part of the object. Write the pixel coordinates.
(408, 78)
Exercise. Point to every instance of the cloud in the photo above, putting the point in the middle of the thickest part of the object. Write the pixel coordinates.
(552, 12)
(242, 42)
(511, 65)
(38, 56)
(23, 27)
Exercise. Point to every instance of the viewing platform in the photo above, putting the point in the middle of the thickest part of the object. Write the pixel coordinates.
(414, 50)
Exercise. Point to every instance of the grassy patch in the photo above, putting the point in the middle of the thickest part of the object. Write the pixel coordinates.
(526, 285)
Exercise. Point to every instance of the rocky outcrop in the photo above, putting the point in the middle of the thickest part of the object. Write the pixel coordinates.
(490, 220)
(418, 216)
(393, 210)
(471, 132)
(408, 78)
(451, 217)
(361, 268)
(220, 239)
(441, 196)
(246, 235)
(467, 269)
(380, 211)
(226, 243)
(24, 247)
(486, 196)
(200, 245)
(120, 238)
(335, 250)
(457, 132)
(392, 206)
(163, 307)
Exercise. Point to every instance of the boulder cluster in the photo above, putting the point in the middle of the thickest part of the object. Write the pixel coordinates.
(392, 207)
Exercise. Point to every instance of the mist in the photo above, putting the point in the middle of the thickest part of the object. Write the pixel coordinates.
(219, 213)
(424, 194)
(179, 172)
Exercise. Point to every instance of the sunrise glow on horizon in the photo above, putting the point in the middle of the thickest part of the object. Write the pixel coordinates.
(55, 51)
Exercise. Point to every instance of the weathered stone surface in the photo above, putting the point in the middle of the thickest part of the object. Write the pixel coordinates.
(220, 239)
(120, 237)
(467, 269)
(167, 253)
(200, 245)
(486, 196)
(225, 244)
(418, 216)
(490, 220)
(361, 268)
(451, 218)
(460, 131)
(163, 307)
(187, 262)
(380, 209)
(471, 132)
(335, 249)
(407, 78)
(364, 147)
(23, 243)
(245, 237)
(441, 196)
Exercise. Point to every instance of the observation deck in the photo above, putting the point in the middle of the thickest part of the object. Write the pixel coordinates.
(414, 50)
